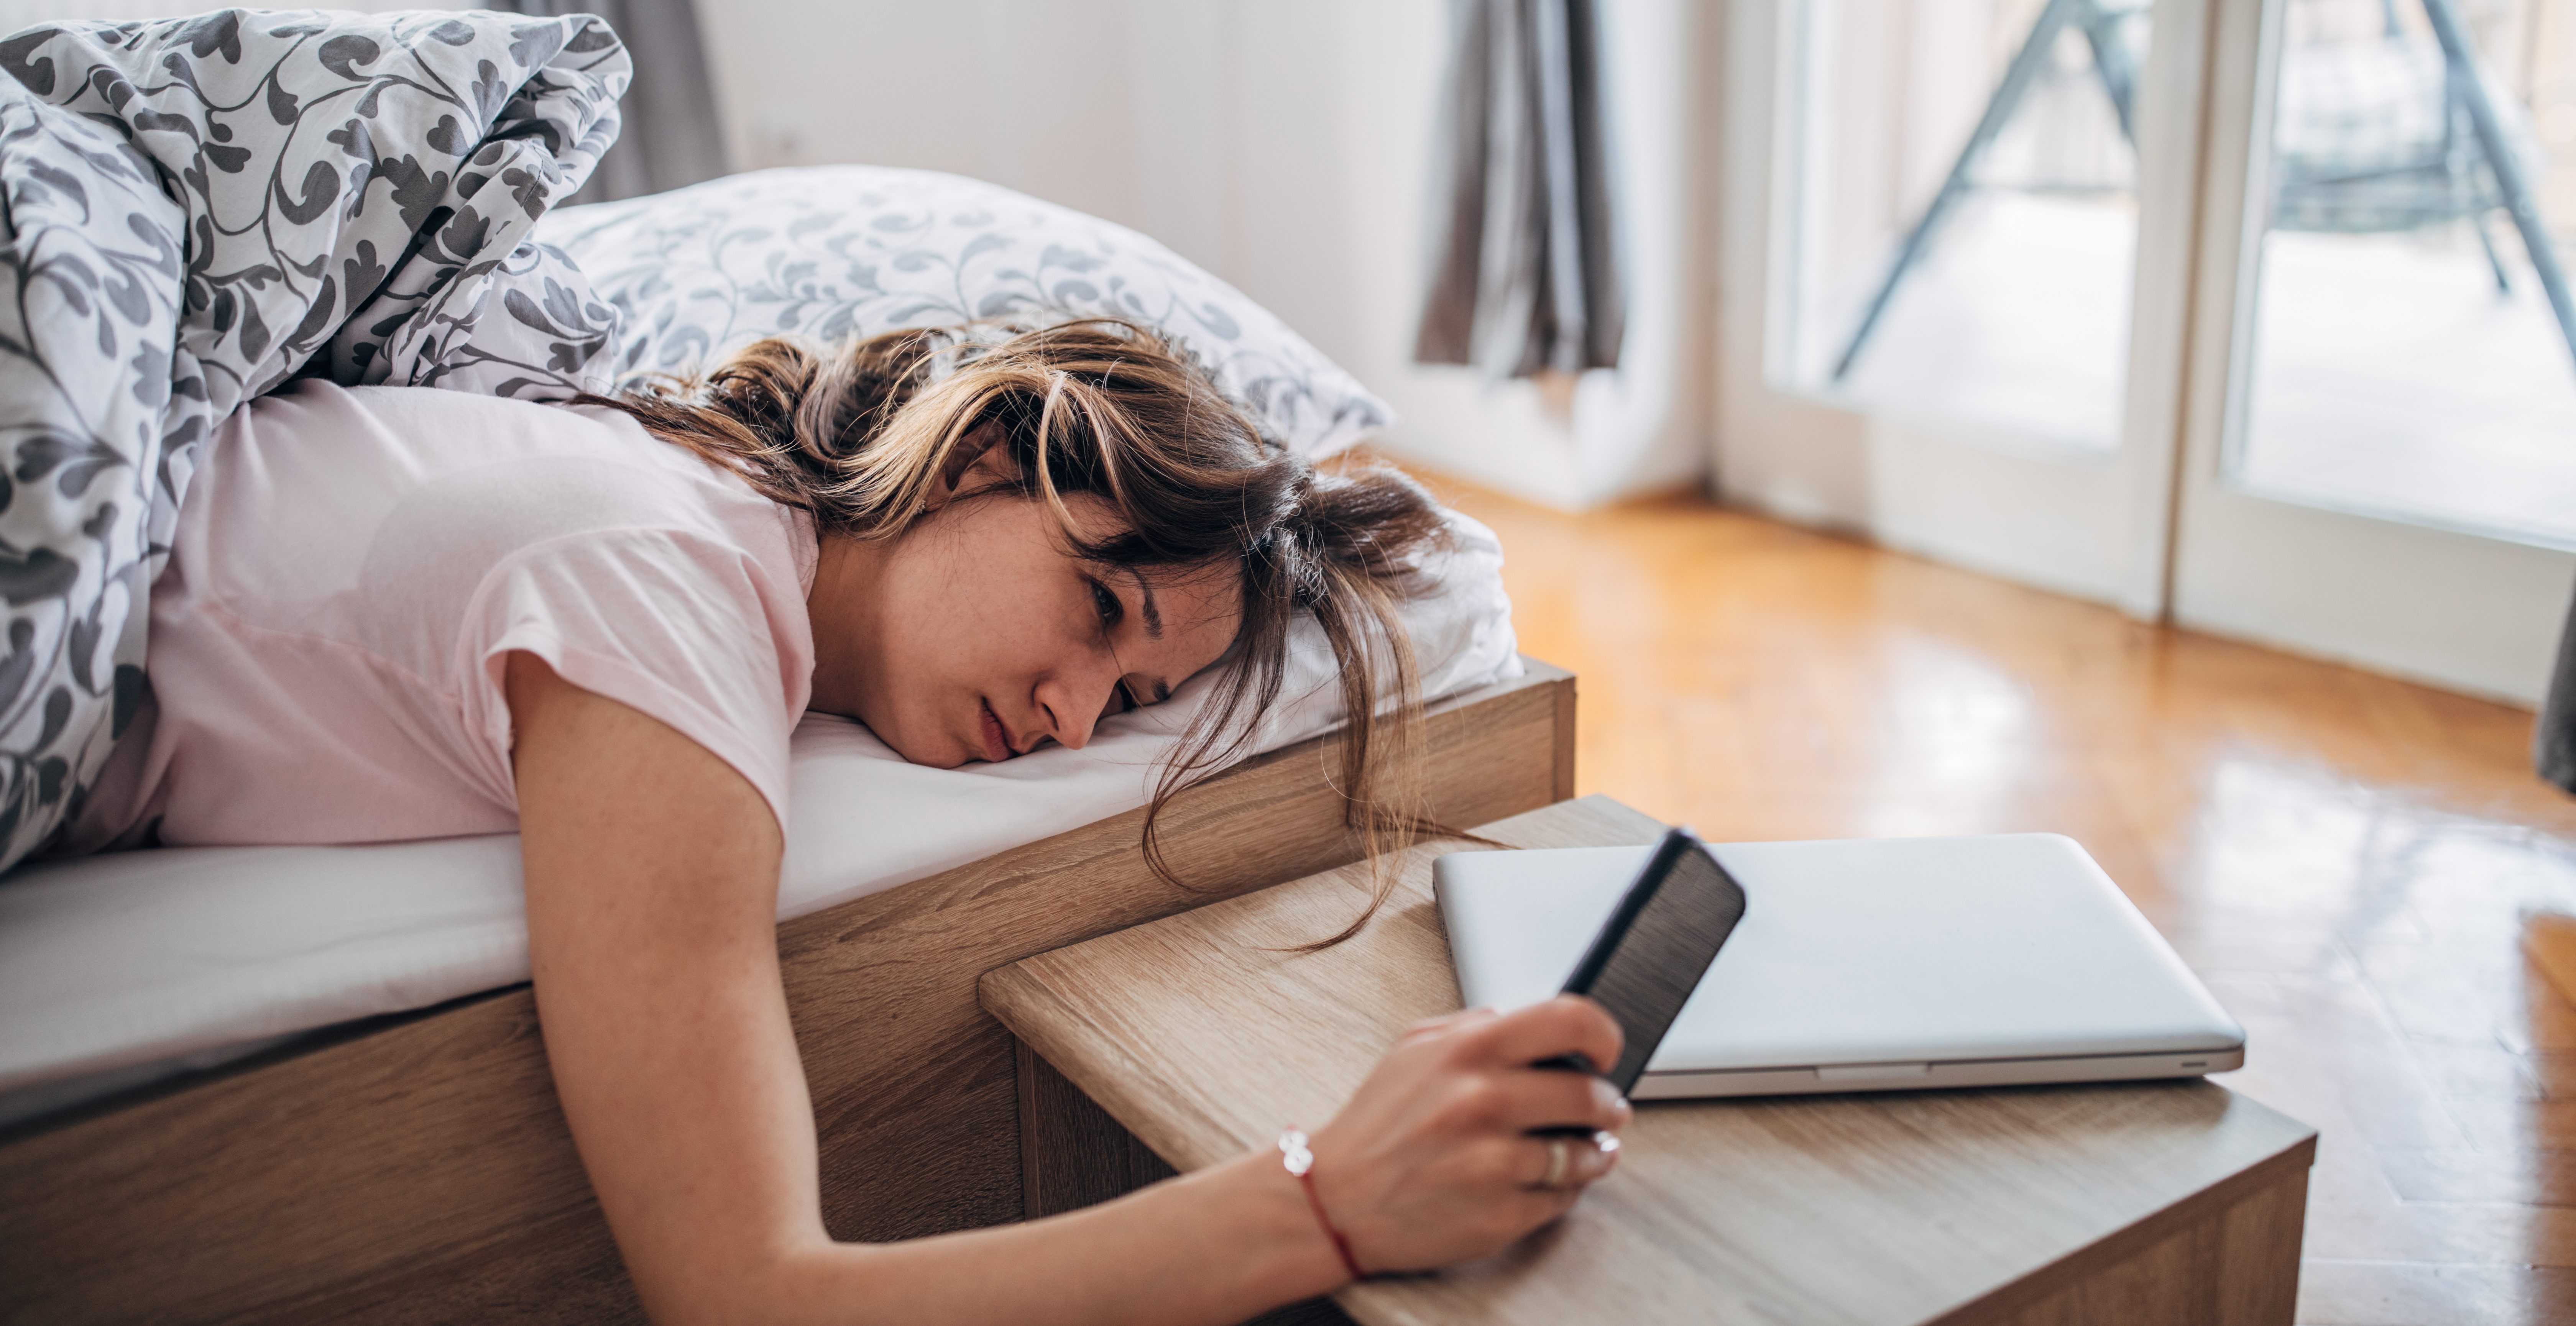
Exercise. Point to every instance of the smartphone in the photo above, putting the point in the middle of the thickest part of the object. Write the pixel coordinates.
(1654, 950)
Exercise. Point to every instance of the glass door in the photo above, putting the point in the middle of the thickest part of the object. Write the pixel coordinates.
(2380, 441)
(1955, 290)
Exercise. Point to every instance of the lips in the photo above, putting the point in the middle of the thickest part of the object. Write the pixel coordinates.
(997, 741)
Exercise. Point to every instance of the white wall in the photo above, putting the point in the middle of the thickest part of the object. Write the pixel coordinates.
(1287, 148)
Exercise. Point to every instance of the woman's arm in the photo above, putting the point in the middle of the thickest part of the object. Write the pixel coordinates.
(652, 881)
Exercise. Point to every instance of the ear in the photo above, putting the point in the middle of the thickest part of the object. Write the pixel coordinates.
(978, 462)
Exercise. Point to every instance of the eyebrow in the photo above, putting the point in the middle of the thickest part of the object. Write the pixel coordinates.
(1153, 614)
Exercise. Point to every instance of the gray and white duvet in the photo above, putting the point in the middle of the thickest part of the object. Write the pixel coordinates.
(196, 209)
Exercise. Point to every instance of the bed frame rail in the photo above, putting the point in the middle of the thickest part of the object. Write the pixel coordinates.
(423, 1172)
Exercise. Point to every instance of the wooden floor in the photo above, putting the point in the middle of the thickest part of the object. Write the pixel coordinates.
(2347, 860)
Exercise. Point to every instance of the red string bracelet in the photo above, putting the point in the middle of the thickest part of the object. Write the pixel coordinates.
(1300, 1161)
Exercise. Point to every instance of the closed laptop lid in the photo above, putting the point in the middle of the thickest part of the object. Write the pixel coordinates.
(1859, 951)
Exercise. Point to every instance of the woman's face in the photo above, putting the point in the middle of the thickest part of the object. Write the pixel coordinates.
(977, 635)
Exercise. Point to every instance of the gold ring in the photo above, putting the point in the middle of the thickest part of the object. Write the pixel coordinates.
(1556, 1155)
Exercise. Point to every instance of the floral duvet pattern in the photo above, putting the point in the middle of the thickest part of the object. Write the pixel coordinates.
(193, 210)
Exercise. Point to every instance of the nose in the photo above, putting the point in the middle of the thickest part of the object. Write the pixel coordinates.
(1074, 700)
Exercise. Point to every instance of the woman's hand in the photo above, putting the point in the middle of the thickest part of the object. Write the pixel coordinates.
(1431, 1162)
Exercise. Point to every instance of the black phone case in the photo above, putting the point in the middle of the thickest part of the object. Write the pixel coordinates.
(1645, 1028)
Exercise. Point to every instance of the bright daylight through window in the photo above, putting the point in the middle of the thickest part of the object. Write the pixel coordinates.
(2411, 349)
(1962, 225)
(1965, 214)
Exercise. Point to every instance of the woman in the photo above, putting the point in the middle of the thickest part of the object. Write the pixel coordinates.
(397, 613)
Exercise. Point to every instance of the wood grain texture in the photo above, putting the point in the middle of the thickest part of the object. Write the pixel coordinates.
(1202, 1038)
(423, 1173)
(2241, 1269)
(1565, 739)
(1072, 1154)
(2549, 940)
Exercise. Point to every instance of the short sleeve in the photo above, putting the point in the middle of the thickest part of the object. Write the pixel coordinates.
(677, 625)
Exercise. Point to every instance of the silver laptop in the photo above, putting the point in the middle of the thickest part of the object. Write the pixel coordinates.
(1867, 965)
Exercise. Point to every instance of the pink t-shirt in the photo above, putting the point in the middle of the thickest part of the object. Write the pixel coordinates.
(350, 568)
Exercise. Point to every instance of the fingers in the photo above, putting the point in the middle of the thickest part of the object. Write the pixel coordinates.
(1433, 1157)
(1527, 1206)
(1531, 1098)
(1567, 1024)
(1465, 1017)
(1562, 1165)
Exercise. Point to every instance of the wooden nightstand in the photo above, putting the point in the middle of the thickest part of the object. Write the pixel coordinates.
(2166, 1202)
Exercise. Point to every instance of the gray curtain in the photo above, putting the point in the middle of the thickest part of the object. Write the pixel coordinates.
(671, 136)
(2553, 743)
(1524, 277)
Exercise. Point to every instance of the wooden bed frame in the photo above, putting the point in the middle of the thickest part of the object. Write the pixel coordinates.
(420, 1171)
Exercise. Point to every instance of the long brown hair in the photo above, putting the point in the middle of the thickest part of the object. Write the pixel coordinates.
(859, 434)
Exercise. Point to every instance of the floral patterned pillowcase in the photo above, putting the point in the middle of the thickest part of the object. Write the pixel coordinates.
(838, 251)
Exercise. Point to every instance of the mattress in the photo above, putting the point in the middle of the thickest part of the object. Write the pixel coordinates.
(117, 971)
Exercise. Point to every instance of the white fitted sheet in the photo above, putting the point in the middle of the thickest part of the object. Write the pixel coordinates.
(118, 970)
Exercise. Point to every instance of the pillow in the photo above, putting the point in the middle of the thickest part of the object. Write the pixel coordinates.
(840, 251)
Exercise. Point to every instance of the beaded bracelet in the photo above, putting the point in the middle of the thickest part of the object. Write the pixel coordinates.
(1299, 1160)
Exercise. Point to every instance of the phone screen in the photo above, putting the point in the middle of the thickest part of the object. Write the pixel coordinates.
(1656, 947)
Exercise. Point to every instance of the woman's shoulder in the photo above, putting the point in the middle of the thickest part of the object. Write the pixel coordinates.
(434, 413)
(425, 483)
(415, 441)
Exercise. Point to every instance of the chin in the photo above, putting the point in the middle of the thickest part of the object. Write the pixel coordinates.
(936, 755)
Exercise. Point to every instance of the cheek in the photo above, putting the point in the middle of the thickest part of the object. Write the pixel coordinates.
(971, 612)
